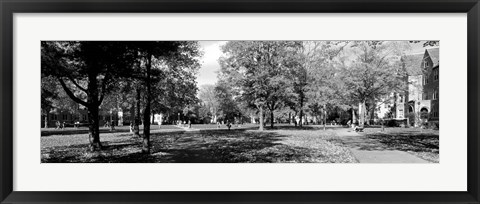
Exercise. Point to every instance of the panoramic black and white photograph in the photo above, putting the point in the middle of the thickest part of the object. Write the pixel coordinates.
(237, 101)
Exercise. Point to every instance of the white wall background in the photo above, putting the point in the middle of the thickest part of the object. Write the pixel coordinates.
(449, 175)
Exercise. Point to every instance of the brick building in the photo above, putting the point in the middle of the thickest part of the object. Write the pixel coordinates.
(419, 104)
(423, 88)
(81, 115)
(431, 82)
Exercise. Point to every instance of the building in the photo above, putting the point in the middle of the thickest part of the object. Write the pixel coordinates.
(392, 108)
(80, 115)
(431, 79)
(419, 104)
(423, 88)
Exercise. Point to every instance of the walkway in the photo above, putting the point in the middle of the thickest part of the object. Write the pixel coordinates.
(371, 151)
(189, 129)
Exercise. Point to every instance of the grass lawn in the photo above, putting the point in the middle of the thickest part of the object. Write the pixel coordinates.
(423, 143)
(84, 130)
(206, 145)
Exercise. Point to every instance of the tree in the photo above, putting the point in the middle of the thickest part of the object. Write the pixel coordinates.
(86, 71)
(374, 73)
(319, 85)
(258, 68)
(306, 56)
(209, 100)
(175, 84)
(49, 95)
(228, 105)
(428, 43)
(121, 98)
(179, 57)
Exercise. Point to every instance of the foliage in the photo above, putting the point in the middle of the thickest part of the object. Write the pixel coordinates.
(259, 70)
(175, 87)
(209, 102)
(374, 73)
(86, 71)
(325, 87)
(428, 43)
(90, 72)
(228, 106)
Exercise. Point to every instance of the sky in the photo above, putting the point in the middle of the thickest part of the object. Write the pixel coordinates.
(212, 52)
(208, 71)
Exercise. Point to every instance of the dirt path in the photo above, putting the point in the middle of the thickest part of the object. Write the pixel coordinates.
(368, 150)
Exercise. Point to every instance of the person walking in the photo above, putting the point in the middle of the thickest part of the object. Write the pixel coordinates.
(229, 124)
(57, 124)
(112, 125)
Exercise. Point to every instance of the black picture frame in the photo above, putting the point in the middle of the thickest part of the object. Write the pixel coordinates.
(9, 7)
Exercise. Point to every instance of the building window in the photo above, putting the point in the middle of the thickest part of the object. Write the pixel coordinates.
(425, 80)
(435, 74)
(425, 64)
(435, 95)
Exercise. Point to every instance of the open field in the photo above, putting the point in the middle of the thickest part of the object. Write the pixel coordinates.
(205, 145)
(210, 144)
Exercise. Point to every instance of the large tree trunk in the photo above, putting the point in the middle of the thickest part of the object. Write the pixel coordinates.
(136, 124)
(295, 119)
(353, 116)
(361, 113)
(289, 118)
(132, 117)
(146, 113)
(93, 128)
(46, 120)
(301, 110)
(271, 118)
(324, 116)
(372, 113)
(92, 108)
(261, 119)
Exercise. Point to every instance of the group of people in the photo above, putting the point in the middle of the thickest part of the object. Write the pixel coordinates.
(229, 124)
(60, 125)
(110, 125)
(183, 123)
(355, 127)
(76, 124)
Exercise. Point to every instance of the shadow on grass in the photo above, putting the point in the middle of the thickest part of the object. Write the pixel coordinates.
(45, 133)
(103, 130)
(408, 142)
(206, 146)
(402, 141)
(304, 127)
